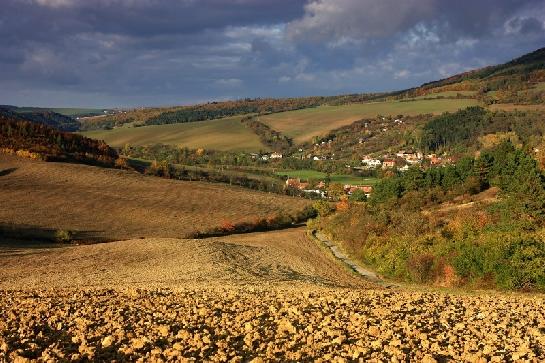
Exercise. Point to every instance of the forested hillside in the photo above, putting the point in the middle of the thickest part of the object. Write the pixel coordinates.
(468, 129)
(477, 223)
(40, 141)
(519, 81)
(50, 118)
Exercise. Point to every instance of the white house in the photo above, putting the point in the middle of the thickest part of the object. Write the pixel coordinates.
(372, 163)
(276, 155)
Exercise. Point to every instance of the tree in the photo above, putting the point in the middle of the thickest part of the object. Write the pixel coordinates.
(335, 190)
(358, 196)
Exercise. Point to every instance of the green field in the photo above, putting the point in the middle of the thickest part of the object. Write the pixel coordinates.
(318, 175)
(226, 134)
(303, 125)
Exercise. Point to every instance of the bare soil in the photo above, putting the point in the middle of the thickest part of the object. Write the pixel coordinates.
(280, 258)
(116, 204)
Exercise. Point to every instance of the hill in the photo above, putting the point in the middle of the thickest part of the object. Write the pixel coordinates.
(43, 116)
(99, 203)
(519, 84)
(519, 81)
(73, 112)
(40, 141)
(227, 134)
(215, 110)
(304, 125)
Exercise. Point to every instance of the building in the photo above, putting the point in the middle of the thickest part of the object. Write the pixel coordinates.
(371, 163)
(276, 155)
(388, 164)
(296, 184)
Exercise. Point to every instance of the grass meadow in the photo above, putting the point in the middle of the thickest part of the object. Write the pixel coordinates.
(303, 125)
(226, 134)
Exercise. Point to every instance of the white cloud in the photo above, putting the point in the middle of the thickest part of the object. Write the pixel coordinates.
(402, 74)
(55, 3)
(357, 19)
(229, 82)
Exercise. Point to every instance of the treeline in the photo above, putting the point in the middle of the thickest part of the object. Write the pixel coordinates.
(479, 238)
(50, 118)
(185, 156)
(166, 170)
(272, 138)
(40, 141)
(215, 158)
(463, 129)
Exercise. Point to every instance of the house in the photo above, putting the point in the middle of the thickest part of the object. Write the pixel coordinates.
(371, 163)
(296, 184)
(265, 157)
(435, 161)
(319, 192)
(404, 168)
(293, 183)
(367, 189)
(389, 163)
(276, 155)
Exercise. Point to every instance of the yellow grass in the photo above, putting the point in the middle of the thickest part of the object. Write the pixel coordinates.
(303, 125)
(226, 134)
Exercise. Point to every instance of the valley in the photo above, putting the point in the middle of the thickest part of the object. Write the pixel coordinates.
(233, 231)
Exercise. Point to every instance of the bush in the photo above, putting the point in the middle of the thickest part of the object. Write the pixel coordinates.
(358, 196)
(323, 208)
(64, 236)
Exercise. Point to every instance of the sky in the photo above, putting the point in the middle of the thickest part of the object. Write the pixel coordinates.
(128, 53)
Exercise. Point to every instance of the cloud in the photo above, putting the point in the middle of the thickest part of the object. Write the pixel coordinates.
(357, 19)
(55, 3)
(156, 52)
(342, 20)
(229, 82)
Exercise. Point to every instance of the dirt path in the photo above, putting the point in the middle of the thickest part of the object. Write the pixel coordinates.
(366, 273)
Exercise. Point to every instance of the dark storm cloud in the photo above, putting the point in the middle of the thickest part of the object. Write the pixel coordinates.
(134, 52)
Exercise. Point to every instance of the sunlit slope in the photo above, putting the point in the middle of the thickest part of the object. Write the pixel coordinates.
(223, 134)
(304, 124)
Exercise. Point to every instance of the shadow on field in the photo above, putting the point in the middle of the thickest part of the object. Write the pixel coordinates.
(17, 236)
(7, 171)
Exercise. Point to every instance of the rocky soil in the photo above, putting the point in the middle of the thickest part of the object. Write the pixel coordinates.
(256, 325)
(275, 296)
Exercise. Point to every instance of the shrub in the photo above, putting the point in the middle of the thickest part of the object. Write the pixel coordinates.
(358, 196)
(64, 236)
(323, 208)
(421, 267)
